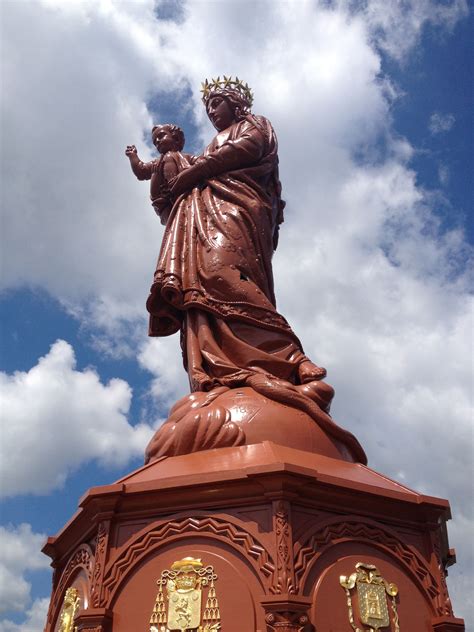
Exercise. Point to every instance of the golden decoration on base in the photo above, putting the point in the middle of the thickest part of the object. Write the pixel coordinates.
(181, 608)
(371, 593)
(69, 610)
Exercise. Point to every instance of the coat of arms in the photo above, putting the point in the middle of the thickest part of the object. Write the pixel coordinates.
(180, 609)
(372, 591)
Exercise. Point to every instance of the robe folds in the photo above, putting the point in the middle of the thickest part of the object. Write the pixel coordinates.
(213, 279)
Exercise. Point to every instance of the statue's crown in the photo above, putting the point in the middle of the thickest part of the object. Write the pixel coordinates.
(225, 84)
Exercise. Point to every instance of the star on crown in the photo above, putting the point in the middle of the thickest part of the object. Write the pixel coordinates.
(227, 83)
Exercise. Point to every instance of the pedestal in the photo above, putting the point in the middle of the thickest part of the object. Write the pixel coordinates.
(278, 526)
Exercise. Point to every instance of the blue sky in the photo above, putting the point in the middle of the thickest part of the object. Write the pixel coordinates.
(439, 78)
(373, 106)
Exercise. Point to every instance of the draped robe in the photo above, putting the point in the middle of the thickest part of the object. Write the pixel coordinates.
(213, 279)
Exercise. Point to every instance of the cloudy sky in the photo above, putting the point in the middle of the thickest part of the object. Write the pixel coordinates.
(371, 103)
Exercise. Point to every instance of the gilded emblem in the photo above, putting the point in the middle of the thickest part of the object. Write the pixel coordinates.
(180, 609)
(372, 591)
(69, 610)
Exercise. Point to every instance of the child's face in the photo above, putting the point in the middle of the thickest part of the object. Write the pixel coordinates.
(164, 140)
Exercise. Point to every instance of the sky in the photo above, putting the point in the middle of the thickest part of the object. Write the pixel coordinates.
(372, 102)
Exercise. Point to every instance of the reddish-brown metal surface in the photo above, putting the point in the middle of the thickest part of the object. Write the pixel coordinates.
(279, 526)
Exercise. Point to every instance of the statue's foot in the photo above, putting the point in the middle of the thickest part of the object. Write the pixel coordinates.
(308, 372)
(316, 390)
(319, 392)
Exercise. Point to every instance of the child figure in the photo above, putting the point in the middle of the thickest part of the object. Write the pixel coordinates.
(169, 141)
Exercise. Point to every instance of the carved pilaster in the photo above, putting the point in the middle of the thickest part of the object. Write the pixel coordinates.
(284, 581)
(444, 602)
(287, 613)
(99, 563)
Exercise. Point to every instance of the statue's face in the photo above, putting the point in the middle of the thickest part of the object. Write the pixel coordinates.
(164, 140)
(220, 112)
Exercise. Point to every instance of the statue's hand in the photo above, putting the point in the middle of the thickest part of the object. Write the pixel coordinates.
(183, 182)
(131, 149)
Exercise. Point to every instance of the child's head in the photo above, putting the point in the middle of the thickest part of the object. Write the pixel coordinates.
(167, 138)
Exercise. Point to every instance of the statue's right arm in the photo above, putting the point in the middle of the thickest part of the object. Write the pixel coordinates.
(244, 151)
(142, 170)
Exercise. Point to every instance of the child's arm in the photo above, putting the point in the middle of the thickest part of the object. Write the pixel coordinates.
(143, 170)
(191, 158)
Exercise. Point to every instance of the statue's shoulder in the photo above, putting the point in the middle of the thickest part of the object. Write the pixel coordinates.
(263, 125)
(262, 119)
(258, 120)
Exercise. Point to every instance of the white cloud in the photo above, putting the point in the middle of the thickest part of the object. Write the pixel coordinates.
(57, 418)
(35, 619)
(444, 175)
(66, 120)
(20, 553)
(397, 26)
(386, 308)
(385, 303)
(440, 122)
(162, 358)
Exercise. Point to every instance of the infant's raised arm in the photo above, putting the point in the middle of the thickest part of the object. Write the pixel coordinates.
(142, 170)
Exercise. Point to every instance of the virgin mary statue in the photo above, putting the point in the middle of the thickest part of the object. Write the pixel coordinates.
(214, 283)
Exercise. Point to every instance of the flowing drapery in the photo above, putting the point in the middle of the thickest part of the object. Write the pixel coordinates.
(214, 277)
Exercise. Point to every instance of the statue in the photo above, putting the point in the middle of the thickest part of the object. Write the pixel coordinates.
(169, 141)
(249, 376)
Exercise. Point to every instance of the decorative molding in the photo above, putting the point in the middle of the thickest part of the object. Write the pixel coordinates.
(158, 535)
(371, 534)
(286, 621)
(287, 613)
(284, 581)
(448, 624)
(82, 558)
(94, 620)
(445, 607)
(100, 559)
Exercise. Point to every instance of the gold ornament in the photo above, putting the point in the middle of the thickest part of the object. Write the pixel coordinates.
(371, 593)
(181, 608)
(69, 610)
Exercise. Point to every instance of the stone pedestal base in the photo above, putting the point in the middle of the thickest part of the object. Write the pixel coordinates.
(279, 527)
